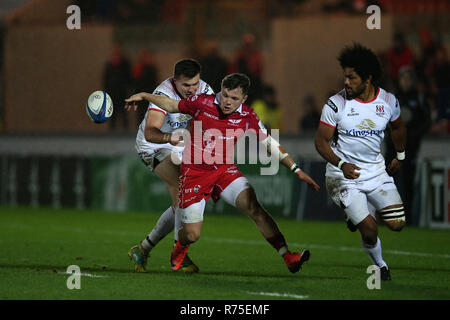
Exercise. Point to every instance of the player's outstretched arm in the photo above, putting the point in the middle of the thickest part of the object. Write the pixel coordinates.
(152, 131)
(324, 135)
(170, 105)
(274, 147)
(398, 134)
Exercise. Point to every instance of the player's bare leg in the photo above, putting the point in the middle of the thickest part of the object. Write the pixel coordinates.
(372, 244)
(248, 203)
(188, 234)
(192, 222)
(166, 223)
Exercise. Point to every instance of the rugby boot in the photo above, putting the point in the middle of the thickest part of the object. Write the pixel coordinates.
(139, 257)
(177, 257)
(295, 260)
(385, 274)
(188, 266)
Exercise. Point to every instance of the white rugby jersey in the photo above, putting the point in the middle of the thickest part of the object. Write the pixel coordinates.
(172, 121)
(360, 129)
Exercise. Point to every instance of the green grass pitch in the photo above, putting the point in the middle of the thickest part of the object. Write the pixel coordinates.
(236, 263)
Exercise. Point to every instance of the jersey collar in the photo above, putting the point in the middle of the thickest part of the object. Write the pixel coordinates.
(175, 88)
(376, 96)
(217, 101)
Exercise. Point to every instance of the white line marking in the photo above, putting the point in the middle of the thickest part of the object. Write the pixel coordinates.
(276, 294)
(84, 274)
(325, 247)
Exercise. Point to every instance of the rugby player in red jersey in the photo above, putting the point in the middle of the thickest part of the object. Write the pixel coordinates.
(208, 168)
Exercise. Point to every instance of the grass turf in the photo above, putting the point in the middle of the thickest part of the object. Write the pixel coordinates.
(236, 263)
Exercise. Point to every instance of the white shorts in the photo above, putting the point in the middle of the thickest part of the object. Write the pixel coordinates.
(152, 157)
(361, 198)
(194, 212)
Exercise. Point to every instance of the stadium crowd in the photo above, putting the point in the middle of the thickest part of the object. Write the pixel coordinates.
(427, 65)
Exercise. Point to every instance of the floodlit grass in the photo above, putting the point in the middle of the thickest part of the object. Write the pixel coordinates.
(236, 263)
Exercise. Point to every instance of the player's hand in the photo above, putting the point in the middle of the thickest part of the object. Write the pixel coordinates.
(350, 170)
(132, 102)
(303, 176)
(175, 139)
(394, 166)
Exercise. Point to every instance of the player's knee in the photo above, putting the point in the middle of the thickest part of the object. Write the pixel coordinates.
(394, 217)
(370, 238)
(396, 224)
(193, 237)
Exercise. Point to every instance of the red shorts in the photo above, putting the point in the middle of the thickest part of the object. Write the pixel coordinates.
(196, 185)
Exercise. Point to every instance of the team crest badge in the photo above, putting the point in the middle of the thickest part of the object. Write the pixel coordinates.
(380, 110)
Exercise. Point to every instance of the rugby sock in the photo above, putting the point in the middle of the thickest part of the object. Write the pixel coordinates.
(162, 228)
(177, 226)
(279, 243)
(374, 253)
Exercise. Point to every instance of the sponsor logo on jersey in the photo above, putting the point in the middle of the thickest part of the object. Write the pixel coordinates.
(379, 110)
(183, 117)
(211, 115)
(194, 97)
(194, 189)
(366, 124)
(352, 113)
(160, 93)
(366, 127)
(332, 105)
(177, 124)
(234, 121)
(344, 193)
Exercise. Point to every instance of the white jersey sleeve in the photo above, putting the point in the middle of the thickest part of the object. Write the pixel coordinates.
(330, 111)
(172, 121)
(395, 110)
(329, 114)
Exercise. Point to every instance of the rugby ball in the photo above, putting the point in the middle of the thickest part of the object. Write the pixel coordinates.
(99, 106)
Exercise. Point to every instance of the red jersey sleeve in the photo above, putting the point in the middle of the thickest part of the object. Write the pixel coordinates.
(190, 105)
(258, 126)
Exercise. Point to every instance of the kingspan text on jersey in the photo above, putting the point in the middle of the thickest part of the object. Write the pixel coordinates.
(363, 133)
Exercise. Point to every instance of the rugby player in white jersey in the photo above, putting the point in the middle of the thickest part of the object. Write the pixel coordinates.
(357, 179)
(154, 145)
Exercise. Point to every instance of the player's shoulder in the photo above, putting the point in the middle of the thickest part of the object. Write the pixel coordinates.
(165, 88)
(387, 97)
(247, 111)
(337, 101)
(205, 88)
(202, 98)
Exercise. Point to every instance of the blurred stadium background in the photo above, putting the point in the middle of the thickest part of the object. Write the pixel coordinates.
(52, 155)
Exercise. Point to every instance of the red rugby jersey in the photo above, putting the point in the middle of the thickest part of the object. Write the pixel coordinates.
(214, 135)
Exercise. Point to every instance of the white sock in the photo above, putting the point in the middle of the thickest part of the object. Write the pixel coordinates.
(162, 228)
(177, 225)
(374, 253)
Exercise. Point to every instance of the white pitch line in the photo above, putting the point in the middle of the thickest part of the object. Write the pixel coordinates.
(276, 294)
(84, 275)
(326, 247)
